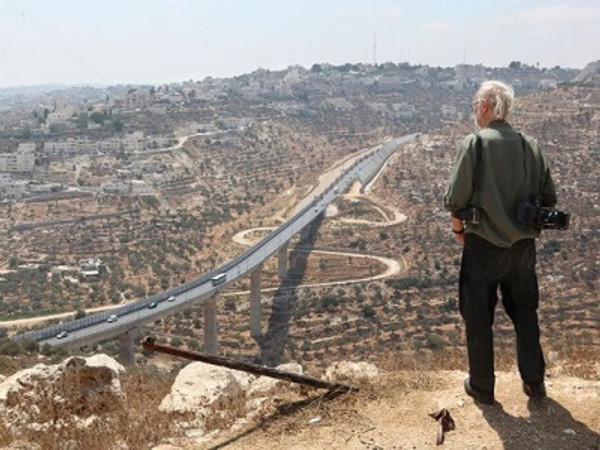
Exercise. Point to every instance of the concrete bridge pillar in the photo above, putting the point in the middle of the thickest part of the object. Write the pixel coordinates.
(282, 261)
(211, 338)
(305, 233)
(255, 306)
(126, 348)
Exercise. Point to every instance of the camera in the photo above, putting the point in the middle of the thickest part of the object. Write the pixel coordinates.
(530, 212)
(470, 214)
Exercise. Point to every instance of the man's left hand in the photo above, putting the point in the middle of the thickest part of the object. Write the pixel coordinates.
(460, 238)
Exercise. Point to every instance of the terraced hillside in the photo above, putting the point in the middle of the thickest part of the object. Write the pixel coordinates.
(417, 309)
(181, 234)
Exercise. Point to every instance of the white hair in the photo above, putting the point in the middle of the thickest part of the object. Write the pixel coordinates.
(498, 95)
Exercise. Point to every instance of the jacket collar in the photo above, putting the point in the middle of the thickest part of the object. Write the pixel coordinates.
(498, 124)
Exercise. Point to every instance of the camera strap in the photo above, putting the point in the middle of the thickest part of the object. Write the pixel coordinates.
(524, 148)
(477, 166)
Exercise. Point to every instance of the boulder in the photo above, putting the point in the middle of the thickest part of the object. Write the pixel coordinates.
(102, 360)
(201, 388)
(350, 371)
(263, 384)
(79, 387)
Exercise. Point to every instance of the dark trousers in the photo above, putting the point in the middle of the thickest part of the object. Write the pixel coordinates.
(484, 267)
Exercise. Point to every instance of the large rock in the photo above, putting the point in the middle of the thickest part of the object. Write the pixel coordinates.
(80, 387)
(263, 385)
(203, 388)
(102, 360)
(213, 397)
(350, 371)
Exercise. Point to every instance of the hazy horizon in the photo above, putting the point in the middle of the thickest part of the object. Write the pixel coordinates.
(118, 43)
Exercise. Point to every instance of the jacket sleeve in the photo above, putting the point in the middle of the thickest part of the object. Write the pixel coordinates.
(460, 187)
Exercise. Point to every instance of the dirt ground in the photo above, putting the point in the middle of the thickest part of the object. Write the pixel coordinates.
(392, 411)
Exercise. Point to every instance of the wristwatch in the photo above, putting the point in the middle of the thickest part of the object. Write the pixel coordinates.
(458, 231)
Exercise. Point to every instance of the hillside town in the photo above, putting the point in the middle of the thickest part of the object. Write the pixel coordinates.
(41, 135)
(111, 195)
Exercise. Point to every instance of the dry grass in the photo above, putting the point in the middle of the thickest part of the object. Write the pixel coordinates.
(133, 423)
(580, 361)
(137, 423)
(574, 360)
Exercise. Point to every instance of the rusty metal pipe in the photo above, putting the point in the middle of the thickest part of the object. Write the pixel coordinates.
(150, 344)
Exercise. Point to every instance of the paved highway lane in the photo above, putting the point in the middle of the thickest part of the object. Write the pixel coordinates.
(95, 328)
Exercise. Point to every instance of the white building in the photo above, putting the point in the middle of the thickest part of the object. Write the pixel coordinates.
(23, 160)
(160, 141)
(470, 72)
(91, 268)
(5, 180)
(378, 107)
(115, 186)
(110, 145)
(14, 188)
(449, 112)
(548, 83)
(134, 142)
(70, 146)
(27, 147)
(293, 77)
(136, 99)
(140, 187)
(404, 110)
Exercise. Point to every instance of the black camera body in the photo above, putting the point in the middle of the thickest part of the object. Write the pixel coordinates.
(530, 212)
(470, 214)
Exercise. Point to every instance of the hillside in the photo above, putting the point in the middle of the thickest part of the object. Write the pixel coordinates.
(421, 302)
(407, 324)
(589, 74)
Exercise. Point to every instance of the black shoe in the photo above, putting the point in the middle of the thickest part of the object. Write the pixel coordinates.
(479, 396)
(535, 390)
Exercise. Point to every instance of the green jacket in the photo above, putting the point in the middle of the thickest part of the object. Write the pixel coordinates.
(508, 173)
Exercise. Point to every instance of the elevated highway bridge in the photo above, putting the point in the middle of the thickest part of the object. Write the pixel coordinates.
(123, 322)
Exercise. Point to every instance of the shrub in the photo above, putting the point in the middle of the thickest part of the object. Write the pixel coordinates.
(368, 312)
(9, 347)
(434, 341)
(328, 303)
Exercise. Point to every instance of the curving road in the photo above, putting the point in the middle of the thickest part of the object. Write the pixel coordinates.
(393, 266)
(120, 320)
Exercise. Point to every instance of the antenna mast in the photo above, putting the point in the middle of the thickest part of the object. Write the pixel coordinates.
(374, 49)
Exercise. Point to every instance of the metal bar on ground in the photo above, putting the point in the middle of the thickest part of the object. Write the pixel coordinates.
(150, 344)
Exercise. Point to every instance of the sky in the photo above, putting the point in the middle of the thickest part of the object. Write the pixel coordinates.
(152, 41)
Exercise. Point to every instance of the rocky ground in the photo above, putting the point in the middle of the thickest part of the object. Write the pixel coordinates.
(393, 413)
(96, 403)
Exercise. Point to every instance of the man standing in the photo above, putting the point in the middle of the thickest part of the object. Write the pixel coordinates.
(494, 170)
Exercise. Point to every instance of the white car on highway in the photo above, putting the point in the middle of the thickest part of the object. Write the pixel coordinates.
(62, 335)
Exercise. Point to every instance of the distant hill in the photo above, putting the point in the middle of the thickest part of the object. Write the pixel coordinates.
(589, 74)
(28, 90)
